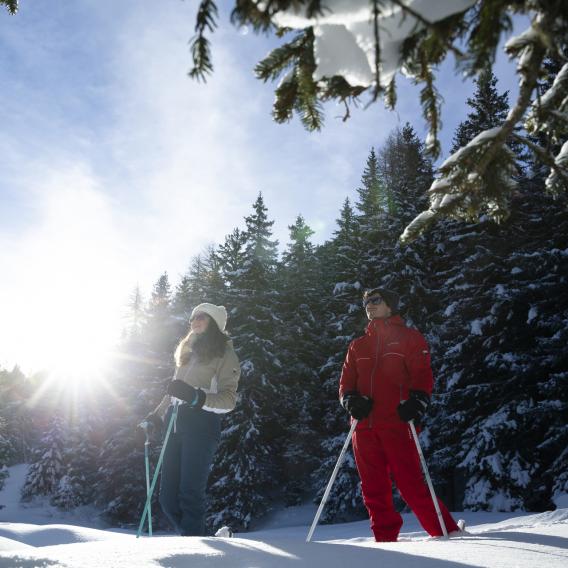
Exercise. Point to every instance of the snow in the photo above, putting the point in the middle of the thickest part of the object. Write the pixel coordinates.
(495, 540)
(477, 327)
(345, 39)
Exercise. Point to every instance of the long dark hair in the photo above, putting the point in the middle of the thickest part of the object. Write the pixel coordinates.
(206, 346)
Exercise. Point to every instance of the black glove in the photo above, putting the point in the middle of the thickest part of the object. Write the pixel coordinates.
(183, 391)
(415, 407)
(357, 405)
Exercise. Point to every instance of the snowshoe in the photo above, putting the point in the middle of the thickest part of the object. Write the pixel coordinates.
(461, 530)
(224, 532)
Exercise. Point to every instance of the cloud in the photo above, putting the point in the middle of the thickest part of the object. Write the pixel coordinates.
(117, 167)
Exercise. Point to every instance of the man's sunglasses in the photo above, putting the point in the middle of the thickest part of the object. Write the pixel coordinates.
(375, 300)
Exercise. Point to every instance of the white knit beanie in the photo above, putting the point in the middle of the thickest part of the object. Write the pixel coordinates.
(217, 313)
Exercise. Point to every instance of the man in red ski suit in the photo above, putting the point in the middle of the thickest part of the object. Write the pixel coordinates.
(387, 381)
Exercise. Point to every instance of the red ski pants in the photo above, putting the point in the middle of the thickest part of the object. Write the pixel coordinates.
(381, 454)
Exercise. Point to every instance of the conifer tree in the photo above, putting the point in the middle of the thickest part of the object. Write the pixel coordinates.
(374, 199)
(135, 315)
(231, 257)
(489, 109)
(7, 451)
(120, 489)
(160, 331)
(496, 437)
(407, 172)
(342, 322)
(345, 245)
(48, 462)
(260, 251)
(76, 487)
(248, 464)
(299, 344)
(183, 300)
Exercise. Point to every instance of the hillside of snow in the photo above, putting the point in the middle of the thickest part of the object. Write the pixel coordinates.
(32, 536)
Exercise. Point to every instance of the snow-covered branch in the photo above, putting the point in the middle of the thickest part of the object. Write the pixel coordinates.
(479, 177)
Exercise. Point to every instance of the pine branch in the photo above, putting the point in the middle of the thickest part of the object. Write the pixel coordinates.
(463, 177)
(431, 105)
(11, 5)
(552, 104)
(200, 45)
(490, 22)
(281, 58)
(376, 13)
(433, 28)
(308, 105)
(546, 158)
(286, 95)
(557, 181)
(390, 95)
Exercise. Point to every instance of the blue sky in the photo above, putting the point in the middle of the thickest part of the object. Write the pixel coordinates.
(115, 166)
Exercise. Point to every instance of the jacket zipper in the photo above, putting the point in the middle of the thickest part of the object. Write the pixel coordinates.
(373, 373)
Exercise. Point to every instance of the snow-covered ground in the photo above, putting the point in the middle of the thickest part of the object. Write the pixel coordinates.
(37, 536)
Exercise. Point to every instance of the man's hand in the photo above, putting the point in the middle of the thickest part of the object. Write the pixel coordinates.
(415, 407)
(183, 391)
(357, 405)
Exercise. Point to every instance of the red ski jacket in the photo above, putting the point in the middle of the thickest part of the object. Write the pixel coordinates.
(385, 364)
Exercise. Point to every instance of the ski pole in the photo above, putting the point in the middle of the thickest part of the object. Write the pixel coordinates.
(331, 481)
(157, 471)
(428, 480)
(147, 464)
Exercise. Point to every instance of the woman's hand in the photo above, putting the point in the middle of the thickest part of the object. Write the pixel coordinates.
(180, 389)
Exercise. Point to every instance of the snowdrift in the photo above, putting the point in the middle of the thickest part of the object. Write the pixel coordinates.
(522, 541)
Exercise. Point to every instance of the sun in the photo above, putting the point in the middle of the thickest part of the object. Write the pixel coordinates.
(73, 345)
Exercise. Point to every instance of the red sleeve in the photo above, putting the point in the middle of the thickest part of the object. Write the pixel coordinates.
(418, 364)
(348, 379)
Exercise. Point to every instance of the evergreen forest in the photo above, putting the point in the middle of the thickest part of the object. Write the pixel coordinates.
(490, 299)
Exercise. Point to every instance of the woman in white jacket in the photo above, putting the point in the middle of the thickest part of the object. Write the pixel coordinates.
(204, 387)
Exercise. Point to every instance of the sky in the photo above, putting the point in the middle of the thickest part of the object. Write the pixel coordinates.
(115, 166)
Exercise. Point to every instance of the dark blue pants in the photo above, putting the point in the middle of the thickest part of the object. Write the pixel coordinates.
(185, 469)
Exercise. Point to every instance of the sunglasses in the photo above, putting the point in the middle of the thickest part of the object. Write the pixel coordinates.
(198, 317)
(375, 300)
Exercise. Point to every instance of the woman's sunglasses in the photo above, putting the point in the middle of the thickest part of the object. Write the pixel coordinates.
(198, 317)
(375, 300)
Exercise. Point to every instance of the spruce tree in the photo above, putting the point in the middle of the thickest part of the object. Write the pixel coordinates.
(135, 315)
(373, 198)
(489, 109)
(231, 257)
(48, 463)
(299, 344)
(496, 427)
(406, 171)
(342, 321)
(248, 465)
(77, 486)
(183, 301)
(120, 490)
(160, 332)
(7, 451)
(260, 250)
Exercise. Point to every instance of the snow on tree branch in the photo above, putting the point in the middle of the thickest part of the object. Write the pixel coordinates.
(480, 177)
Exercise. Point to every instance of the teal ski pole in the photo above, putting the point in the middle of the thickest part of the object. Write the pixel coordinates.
(147, 463)
(157, 471)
